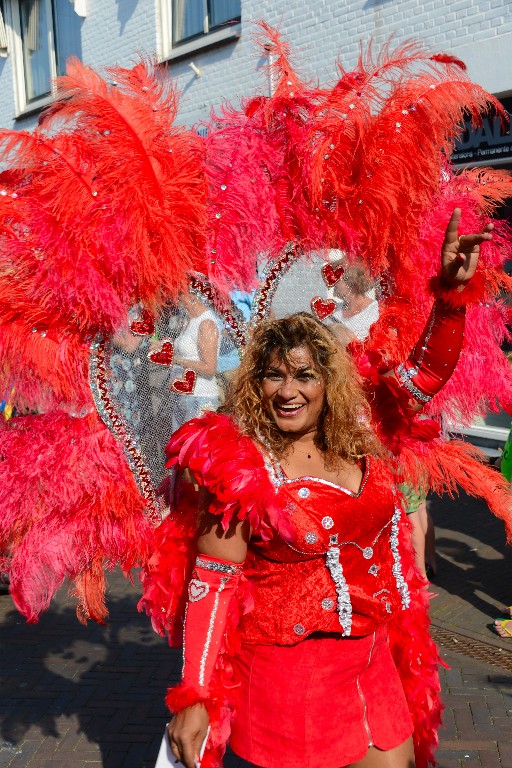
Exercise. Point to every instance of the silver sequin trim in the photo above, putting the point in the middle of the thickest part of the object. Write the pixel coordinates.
(183, 646)
(278, 477)
(206, 648)
(344, 605)
(327, 522)
(404, 377)
(428, 335)
(208, 565)
(397, 565)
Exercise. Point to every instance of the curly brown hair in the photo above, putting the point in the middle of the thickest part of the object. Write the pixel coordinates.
(344, 433)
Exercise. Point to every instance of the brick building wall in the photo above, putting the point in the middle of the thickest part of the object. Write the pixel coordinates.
(479, 31)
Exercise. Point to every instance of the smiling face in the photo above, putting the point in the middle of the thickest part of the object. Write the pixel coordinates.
(293, 392)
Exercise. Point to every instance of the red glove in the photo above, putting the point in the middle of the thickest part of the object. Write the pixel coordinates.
(433, 359)
(210, 591)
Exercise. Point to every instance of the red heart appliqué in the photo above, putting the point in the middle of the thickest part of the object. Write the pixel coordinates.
(186, 385)
(145, 326)
(164, 355)
(331, 274)
(322, 308)
(197, 590)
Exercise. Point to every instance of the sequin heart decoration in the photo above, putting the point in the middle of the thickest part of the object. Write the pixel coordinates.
(126, 398)
(197, 590)
(332, 275)
(186, 385)
(145, 326)
(164, 355)
(322, 308)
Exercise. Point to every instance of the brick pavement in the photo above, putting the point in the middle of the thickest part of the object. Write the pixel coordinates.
(92, 697)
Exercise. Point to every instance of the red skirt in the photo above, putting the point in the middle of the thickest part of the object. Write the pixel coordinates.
(320, 703)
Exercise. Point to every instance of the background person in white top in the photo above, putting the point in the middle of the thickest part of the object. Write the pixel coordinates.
(197, 349)
(357, 309)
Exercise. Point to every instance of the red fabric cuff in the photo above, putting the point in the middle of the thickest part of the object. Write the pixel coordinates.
(185, 695)
(475, 291)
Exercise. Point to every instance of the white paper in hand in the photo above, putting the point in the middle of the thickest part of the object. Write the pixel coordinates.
(166, 758)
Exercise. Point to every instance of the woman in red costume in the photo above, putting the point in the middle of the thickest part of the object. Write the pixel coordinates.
(303, 543)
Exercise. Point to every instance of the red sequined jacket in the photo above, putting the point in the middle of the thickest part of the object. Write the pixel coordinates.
(332, 565)
(347, 585)
(341, 572)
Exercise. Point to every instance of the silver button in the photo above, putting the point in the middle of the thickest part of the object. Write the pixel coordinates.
(303, 493)
(327, 604)
(311, 537)
(299, 629)
(327, 522)
(367, 553)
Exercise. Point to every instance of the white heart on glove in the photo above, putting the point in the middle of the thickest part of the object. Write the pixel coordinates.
(197, 590)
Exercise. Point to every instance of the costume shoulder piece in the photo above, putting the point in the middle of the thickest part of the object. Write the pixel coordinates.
(229, 465)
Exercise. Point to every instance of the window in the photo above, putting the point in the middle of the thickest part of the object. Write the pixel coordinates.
(4, 42)
(46, 33)
(191, 24)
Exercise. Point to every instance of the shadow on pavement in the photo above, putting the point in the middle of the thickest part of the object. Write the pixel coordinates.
(112, 679)
(473, 559)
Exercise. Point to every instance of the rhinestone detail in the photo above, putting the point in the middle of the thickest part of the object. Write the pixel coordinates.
(303, 493)
(204, 655)
(311, 537)
(344, 606)
(327, 522)
(397, 565)
(299, 629)
(368, 553)
(404, 376)
(327, 604)
(210, 565)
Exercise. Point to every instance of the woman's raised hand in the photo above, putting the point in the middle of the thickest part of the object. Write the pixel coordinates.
(459, 255)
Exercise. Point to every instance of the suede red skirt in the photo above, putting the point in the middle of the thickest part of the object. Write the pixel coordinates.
(320, 703)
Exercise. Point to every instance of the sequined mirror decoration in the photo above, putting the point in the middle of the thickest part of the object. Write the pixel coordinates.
(158, 372)
(336, 290)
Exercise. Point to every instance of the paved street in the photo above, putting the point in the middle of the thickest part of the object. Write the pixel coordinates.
(92, 697)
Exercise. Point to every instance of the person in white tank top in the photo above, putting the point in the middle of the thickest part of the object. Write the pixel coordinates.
(197, 349)
(356, 311)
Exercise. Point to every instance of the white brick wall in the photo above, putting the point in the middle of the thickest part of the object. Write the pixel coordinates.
(112, 32)
(480, 31)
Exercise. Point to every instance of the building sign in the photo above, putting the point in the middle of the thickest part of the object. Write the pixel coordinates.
(489, 141)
